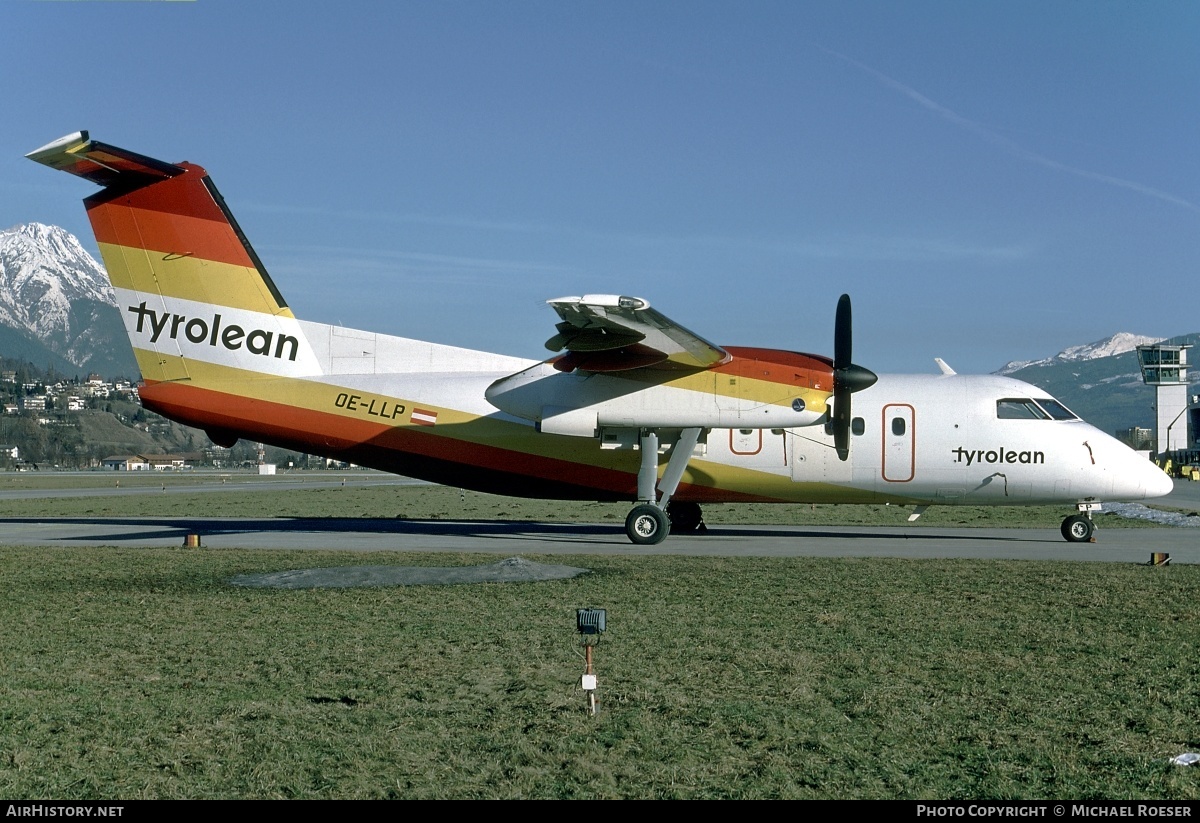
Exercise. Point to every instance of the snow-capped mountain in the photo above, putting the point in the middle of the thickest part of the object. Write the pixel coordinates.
(53, 294)
(1119, 343)
(1101, 382)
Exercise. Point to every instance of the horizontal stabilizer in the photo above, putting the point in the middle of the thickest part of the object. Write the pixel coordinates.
(101, 163)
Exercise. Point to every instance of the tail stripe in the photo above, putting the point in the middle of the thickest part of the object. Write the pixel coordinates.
(189, 278)
(132, 221)
(241, 236)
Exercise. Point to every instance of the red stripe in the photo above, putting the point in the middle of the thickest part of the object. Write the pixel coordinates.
(778, 366)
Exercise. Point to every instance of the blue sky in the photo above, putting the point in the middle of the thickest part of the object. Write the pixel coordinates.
(989, 181)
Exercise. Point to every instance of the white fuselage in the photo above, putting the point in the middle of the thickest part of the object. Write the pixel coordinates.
(938, 439)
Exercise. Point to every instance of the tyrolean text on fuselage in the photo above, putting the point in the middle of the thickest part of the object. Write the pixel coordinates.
(1000, 455)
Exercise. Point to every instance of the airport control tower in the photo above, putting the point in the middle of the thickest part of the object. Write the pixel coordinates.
(1164, 366)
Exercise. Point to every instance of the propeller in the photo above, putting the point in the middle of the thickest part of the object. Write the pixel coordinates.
(847, 377)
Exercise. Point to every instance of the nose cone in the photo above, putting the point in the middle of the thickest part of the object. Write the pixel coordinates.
(1139, 479)
(1158, 483)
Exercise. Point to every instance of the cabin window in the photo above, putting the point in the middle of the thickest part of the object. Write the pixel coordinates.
(898, 426)
(858, 425)
(1012, 408)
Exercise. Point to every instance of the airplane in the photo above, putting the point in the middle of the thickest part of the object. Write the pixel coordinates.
(631, 407)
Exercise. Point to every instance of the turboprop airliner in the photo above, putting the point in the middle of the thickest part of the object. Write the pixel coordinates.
(631, 407)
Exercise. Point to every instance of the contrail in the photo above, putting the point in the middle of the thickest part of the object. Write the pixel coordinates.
(1005, 144)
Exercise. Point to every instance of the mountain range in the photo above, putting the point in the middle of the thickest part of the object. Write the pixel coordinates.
(58, 310)
(1101, 381)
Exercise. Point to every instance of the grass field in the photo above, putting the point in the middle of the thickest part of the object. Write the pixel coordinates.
(142, 673)
(129, 673)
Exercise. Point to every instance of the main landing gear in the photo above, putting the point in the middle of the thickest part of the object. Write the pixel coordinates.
(686, 518)
(647, 524)
(653, 517)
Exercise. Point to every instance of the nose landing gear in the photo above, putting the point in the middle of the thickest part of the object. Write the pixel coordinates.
(1078, 528)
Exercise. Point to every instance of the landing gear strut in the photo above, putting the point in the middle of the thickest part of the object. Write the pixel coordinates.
(648, 523)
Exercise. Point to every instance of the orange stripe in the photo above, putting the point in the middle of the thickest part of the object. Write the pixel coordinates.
(189, 227)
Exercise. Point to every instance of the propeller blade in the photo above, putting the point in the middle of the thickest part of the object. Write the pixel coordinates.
(843, 335)
(847, 377)
(841, 422)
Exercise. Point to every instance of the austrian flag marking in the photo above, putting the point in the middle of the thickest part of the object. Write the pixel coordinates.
(423, 418)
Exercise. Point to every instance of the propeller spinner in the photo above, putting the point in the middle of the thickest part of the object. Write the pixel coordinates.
(847, 377)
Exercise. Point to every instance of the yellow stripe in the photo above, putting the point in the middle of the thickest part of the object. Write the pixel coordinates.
(160, 368)
(189, 278)
(485, 431)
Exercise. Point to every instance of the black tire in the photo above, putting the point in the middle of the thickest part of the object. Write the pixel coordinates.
(1077, 529)
(685, 517)
(647, 525)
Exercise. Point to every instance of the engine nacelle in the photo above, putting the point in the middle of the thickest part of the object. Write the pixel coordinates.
(788, 391)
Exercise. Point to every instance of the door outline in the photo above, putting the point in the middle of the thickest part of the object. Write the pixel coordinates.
(902, 448)
(733, 449)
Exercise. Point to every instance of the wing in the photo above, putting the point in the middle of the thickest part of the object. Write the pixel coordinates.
(609, 333)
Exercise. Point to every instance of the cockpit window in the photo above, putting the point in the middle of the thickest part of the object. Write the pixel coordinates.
(1024, 408)
(1019, 409)
(1057, 410)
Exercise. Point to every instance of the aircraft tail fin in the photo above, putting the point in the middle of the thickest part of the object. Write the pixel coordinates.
(192, 291)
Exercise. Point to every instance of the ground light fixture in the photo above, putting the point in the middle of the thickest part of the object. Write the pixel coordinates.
(590, 623)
